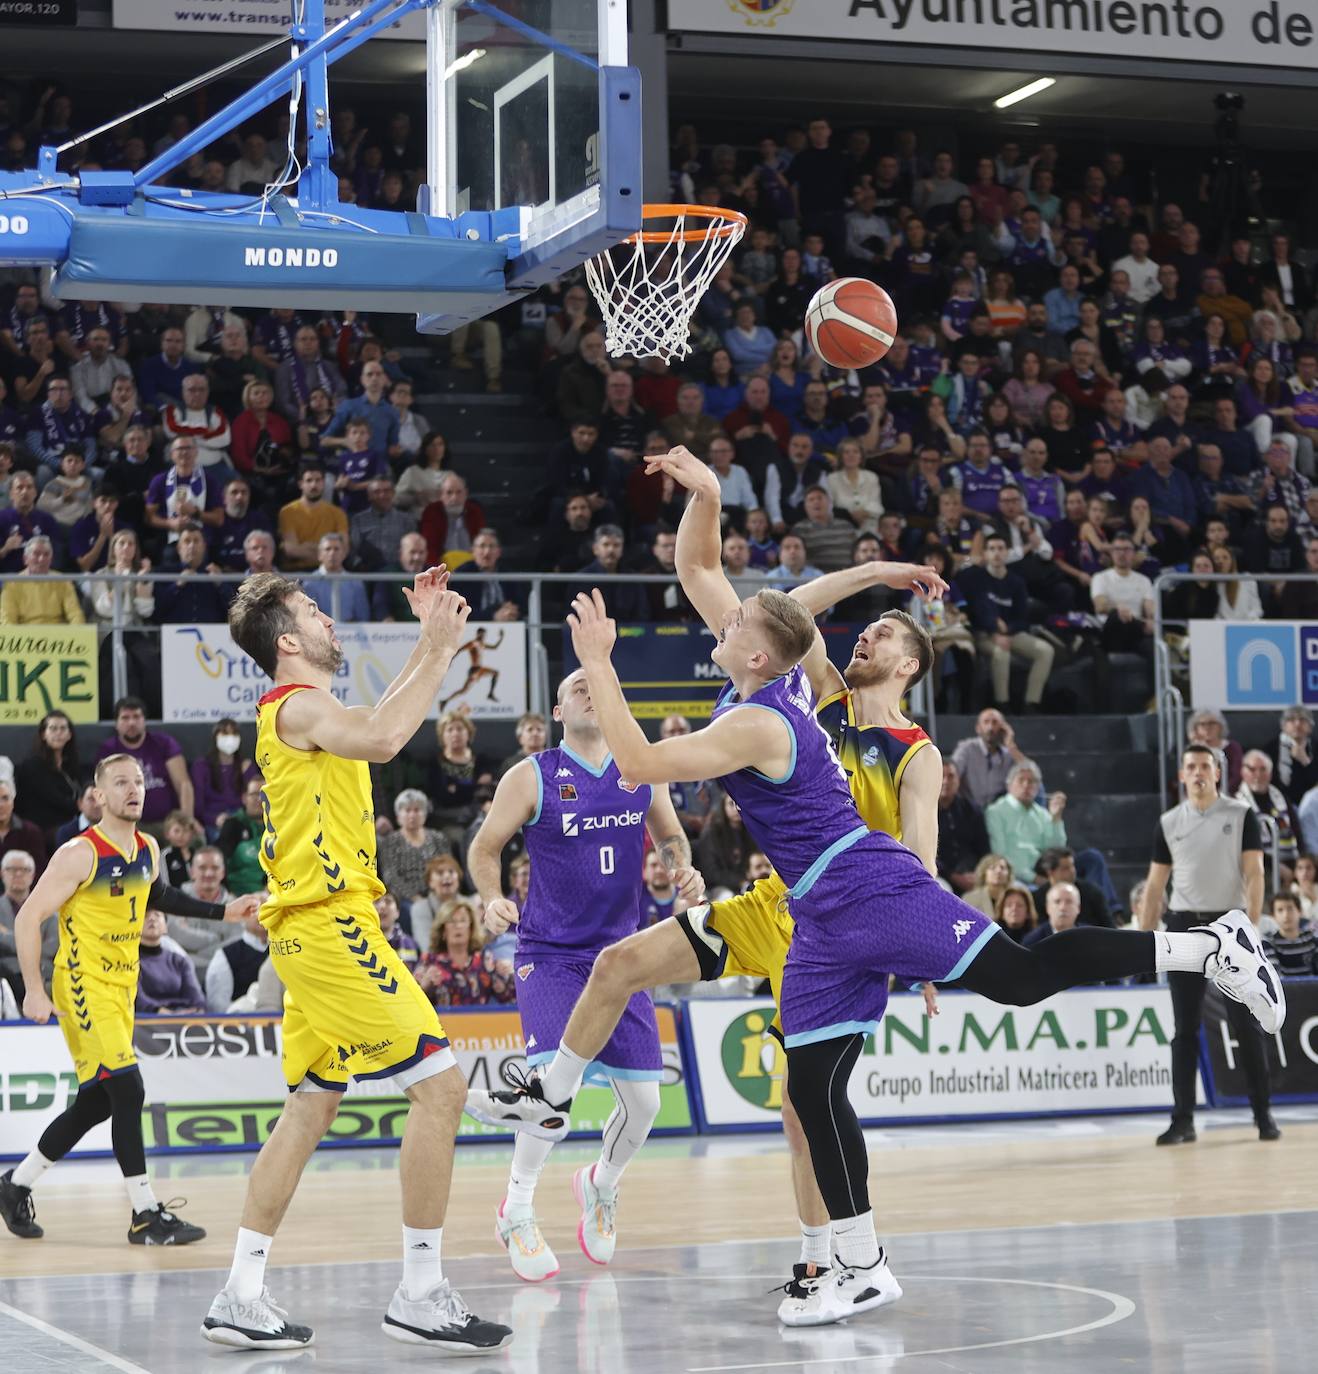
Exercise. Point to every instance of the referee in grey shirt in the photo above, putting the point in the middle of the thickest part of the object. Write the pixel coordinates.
(1211, 847)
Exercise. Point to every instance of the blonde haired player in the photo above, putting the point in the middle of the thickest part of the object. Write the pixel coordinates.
(100, 884)
(351, 1008)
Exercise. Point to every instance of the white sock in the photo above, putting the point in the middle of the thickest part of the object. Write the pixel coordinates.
(562, 1079)
(26, 1174)
(1184, 952)
(529, 1155)
(606, 1176)
(422, 1270)
(247, 1276)
(140, 1193)
(814, 1245)
(857, 1244)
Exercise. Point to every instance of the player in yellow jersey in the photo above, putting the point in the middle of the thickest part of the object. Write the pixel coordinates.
(894, 771)
(351, 1008)
(100, 884)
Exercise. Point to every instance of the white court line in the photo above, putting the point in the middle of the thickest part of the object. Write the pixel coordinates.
(74, 1342)
(1122, 1308)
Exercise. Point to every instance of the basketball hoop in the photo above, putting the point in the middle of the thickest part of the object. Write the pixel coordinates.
(648, 286)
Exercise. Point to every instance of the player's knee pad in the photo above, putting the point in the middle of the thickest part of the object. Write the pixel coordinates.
(639, 1098)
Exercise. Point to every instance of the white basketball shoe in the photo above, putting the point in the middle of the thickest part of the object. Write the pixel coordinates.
(260, 1324)
(842, 1293)
(519, 1233)
(521, 1106)
(1241, 971)
(597, 1234)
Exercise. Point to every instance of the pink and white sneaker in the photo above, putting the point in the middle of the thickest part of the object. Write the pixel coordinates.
(597, 1233)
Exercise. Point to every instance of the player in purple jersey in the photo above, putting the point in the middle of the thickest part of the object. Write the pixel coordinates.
(864, 906)
(584, 825)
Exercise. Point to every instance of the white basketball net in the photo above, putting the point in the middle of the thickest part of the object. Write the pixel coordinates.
(647, 292)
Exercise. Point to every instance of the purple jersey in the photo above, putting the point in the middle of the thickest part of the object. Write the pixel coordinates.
(585, 842)
(801, 826)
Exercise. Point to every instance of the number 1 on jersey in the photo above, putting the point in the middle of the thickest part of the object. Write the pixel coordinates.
(606, 859)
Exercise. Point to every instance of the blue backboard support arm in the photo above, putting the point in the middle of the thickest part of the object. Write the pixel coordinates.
(318, 187)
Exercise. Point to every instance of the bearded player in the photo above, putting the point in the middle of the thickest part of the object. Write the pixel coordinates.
(894, 772)
(351, 1007)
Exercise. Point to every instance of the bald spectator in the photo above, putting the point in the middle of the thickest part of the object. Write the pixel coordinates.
(390, 603)
(233, 368)
(1062, 907)
(374, 532)
(689, 426)
(984, 759)
(16, 833)
(1140, 268)
(24, 601)
(450, 523)
(827, 537)
(1082, 384)
(197, 418)
(184, 494)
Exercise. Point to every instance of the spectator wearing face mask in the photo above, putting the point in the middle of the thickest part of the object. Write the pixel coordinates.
(218, 777)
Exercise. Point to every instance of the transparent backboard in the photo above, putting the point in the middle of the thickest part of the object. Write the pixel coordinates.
(532, 105)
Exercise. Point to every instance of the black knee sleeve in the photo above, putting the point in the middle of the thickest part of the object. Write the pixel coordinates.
(817, 1077)
(127, 1094)
(89, 1108)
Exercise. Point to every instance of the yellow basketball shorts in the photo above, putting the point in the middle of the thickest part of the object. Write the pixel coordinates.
(748, 935)
(97, 1021)
(351, 1007)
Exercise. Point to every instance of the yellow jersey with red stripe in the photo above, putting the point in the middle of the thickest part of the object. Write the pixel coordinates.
(874, 758)
(319, 837)
(101, 924)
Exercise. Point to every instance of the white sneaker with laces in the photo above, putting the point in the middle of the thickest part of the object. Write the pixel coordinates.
(519, 1233)
(1241, 971)
(597, 1234)
(443, 1322)
(798, 1288)
(260, 1324)
(845, 1293)
(519, 1107)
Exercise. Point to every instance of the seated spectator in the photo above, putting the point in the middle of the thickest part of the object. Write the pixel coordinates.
(659, 897)
(854, 490)
(200, 939)
(565, 328)
(196, 418)
(251, 173)
(1115, 432)
(689, 425)
(1277, 484)
(623, 424)
(166, 981)
(738, 495)
(532, 737)
(402, 944)
(303, 522)
(218, 776)
(721, 388)
(443, 879)
(985, 759)
(1062, 905)
(1291, 753)
(825, 430)
(89, 537)
(342, 598)
(991, 878)
(131, 475)
(756, 417)
(794, 566)
(785, 301)
(580, 388)
(451, 523)
(1059, 866)
(1124, 600)
(1018, 828)
(737, 562)
(691, 800)
(235, 966)
(962, 836)
(49, 779)
(998, 604)
(455, 971)
(1258, 791)
(230, 367)
(56, 425)
(298, 376)
(419, 484)
(39, 603)
(828, 539)
(788, 479)
(241, 834)
(981, 477)
(228, 539)
(262, 441)
(626, 601)
(1214, 299)
(95, 373)
(402, 854)
(1305, 886)
(1292, 943)
(1081, 383)
(358, 465)
(489, 600)
(1015, 912)
(566, 545)
(18, 874)
(374, 408)
(88, 813)
(723, 846)
(1236, 446)
(191, 600)
(412, 427)
(763, 546)
(1272, 546)
(454, 774)
(160, 378)
(185, 494)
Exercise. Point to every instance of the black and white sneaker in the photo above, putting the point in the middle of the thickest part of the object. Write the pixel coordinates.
(521, 1106)
(798, 1288)
(443, 1322)
(260, 1324)
(1240, 970)
(158, 1225)
(845, 1293)
(17, 1210)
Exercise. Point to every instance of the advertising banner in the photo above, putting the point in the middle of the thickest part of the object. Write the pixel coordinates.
(206, 676)
(1090, 1049)
(241, 17)
(46, 668)
(1253, 666)
(666, 670)
(214, 1082)
(1270, 33)
(1293, 1053)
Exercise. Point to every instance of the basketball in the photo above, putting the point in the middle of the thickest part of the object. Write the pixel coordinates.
(851, 322)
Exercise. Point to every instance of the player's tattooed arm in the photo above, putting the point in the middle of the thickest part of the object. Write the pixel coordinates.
(673, 846)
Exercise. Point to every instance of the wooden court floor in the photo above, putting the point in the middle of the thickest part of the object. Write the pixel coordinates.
(686, 1191)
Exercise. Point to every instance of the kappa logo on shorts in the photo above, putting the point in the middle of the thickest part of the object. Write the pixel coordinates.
(524, 971)
(566, 792)
(961, 929)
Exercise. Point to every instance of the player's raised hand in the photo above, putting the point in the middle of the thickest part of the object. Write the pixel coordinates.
(500, 914)
(242, 907)
(425, 587)
(912, 577)
(593, 633)
(690, 884)
(443, 619)
(684, 468)
(38, 1007)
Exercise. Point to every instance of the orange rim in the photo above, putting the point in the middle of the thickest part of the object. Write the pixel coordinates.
(723, 224)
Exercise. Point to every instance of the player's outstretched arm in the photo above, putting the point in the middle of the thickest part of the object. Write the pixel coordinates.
(66, 872)
(736, 740)
(516, 801)
(699, 537)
